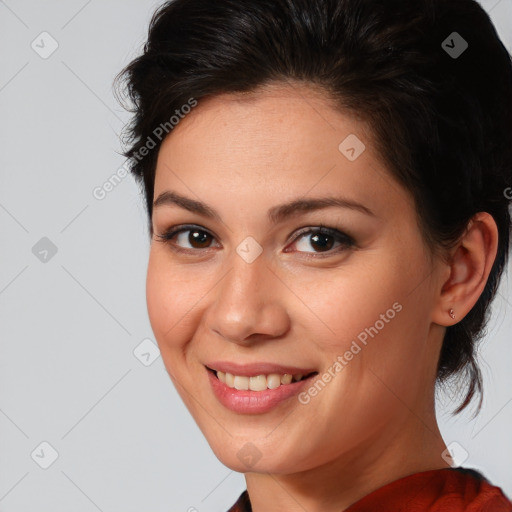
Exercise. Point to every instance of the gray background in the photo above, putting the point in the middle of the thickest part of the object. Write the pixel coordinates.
(70, 371)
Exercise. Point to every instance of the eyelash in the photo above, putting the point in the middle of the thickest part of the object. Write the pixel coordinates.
(345, 240)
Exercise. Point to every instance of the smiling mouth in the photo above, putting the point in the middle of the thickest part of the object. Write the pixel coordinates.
(259, 382)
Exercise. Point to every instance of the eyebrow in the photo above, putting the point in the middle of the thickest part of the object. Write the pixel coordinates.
(275, 214)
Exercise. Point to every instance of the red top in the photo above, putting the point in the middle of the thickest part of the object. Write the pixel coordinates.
(439, 490)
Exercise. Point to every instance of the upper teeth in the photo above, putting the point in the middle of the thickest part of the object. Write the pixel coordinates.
(258, 383)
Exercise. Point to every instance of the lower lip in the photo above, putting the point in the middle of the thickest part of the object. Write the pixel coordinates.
(254, 402)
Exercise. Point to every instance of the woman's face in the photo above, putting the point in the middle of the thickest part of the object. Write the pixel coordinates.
(249, 281)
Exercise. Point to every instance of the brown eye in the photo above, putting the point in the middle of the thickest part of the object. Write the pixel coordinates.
(191, 235)
(322, 240)
(198, 239)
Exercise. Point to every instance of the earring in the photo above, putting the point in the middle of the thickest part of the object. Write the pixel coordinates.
(452, 314)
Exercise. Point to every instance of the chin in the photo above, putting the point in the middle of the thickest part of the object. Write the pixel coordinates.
(244, 456)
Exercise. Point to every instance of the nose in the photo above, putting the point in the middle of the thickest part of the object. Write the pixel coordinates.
(249, 303)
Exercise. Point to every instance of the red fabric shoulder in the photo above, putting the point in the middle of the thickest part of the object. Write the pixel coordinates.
(439, 490)
(242, 504)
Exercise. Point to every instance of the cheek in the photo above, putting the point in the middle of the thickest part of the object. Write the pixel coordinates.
(157, 296)
(350, 303)
(170, 295)
(375, 313)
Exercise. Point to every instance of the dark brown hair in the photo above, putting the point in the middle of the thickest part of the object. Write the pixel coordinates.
(430, 77)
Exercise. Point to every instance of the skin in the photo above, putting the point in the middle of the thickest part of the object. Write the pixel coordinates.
(295, 304)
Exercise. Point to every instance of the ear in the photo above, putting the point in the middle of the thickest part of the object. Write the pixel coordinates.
(469, 268)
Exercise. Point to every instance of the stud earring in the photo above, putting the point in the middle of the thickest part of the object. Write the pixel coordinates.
(452, 314)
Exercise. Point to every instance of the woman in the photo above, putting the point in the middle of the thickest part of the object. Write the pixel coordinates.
(325, 184)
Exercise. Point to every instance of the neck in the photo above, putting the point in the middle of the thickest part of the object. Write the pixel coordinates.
(411, 447)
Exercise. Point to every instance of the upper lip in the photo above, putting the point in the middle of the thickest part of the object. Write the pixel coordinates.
(254, 369)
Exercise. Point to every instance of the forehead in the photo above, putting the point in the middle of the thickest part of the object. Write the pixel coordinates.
(279, 141)
(282, 124)
(270, 106)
